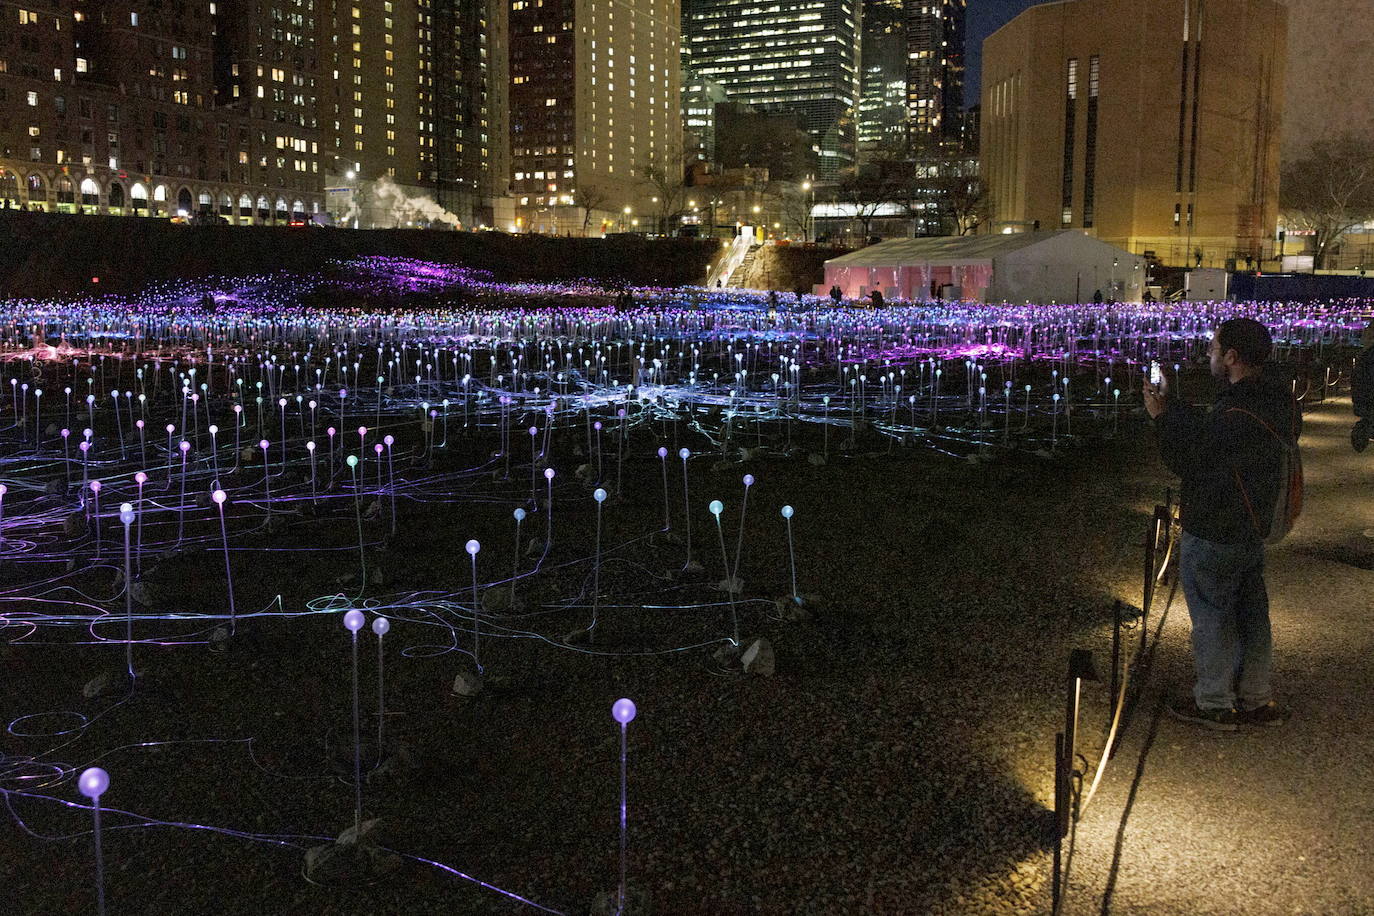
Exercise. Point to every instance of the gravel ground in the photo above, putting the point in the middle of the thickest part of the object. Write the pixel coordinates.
(899, 761)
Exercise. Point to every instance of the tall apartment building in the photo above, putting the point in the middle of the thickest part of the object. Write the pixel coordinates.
(412, 108)
(794, 55)
(595, 99)
(935, 70)
(242, 108)
(1155, 127)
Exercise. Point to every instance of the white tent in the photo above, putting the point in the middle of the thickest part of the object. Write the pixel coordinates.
(1065, 266)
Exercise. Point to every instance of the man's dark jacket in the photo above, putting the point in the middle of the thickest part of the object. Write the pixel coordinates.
(1230, 464)
(1362, 384)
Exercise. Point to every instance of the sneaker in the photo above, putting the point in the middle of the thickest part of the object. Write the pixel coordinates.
(1359, 435)
(1185, 709)
(1270, 714)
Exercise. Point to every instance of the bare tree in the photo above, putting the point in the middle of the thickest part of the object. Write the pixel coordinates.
(865, 191)
(1330, 191)
(963, 203)
(796, 208)
(669, 191)
(589, 197)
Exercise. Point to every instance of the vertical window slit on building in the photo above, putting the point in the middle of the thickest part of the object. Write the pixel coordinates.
(1182, 107)
(1090, 150)
(1070, 106)
(1197, 81)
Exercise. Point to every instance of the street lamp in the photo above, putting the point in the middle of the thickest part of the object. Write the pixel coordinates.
(810, 206)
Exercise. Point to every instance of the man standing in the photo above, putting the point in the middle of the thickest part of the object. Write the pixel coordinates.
(1230, 461)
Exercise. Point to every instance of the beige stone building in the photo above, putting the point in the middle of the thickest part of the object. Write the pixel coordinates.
(1153, 126)
(595, 98)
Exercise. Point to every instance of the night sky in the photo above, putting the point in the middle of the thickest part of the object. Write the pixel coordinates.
(984, 18)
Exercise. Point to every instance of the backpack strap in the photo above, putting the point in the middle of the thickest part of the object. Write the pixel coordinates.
(1240, 484)
(1273, 432)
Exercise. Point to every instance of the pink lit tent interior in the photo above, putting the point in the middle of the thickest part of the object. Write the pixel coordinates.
(1064, 266)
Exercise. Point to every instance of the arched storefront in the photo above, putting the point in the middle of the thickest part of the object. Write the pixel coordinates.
(9, 190)
(66, 195)
(90, 195)
(245, 209)
(37, 193)
(184, 203)
(138, 199)
(116, 199)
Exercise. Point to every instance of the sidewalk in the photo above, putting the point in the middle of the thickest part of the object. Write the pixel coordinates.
(1272, 821)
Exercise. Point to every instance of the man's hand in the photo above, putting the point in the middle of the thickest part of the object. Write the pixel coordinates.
(1156, 397)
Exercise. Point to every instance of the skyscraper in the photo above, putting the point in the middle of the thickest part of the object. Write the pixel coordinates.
(595, 107)
(793, 55)
(699, 99)
(935, 70)
(883, 95)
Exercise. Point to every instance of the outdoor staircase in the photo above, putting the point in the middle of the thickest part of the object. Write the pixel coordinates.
(742, 270)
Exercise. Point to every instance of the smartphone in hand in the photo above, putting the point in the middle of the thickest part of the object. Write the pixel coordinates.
(1156, 373)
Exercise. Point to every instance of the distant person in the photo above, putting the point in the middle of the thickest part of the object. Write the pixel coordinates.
(1230, 462)
(1097, 297)
(1148, 297)
(1362, 391)
(835, 294)
(877, 297)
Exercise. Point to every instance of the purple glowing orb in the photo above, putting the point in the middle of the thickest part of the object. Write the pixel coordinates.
(473, 547)
(623, 710)
(94, 781)
(381, 626)
(353, 621)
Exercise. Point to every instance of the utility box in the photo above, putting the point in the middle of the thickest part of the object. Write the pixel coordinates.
(1205, 284)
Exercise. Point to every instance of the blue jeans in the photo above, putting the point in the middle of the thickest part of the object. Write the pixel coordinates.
(1224, 587)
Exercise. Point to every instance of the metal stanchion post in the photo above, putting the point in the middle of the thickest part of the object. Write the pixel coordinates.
(1116, 664)
(1060, 818)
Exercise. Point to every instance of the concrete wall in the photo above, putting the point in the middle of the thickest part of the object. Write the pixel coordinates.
(789, 268)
